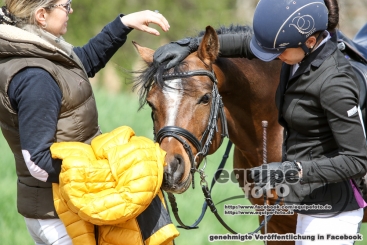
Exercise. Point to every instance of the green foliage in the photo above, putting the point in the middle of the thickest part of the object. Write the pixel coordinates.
(186, 18)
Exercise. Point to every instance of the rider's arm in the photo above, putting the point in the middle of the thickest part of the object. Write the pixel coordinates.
(231, 45)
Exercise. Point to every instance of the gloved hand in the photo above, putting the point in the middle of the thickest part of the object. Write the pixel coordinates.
(270, 175)
(175, 52)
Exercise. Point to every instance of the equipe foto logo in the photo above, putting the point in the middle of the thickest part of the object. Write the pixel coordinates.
(335, 191)
(243, 179)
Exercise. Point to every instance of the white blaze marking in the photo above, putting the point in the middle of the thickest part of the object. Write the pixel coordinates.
(173, 95)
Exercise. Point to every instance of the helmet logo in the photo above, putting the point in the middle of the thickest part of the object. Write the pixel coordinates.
(283, 44)
(304, 24)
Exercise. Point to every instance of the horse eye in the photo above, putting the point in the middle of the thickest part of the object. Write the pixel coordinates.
(205, 99)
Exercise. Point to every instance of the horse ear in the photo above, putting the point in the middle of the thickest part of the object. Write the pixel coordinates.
(145, 53)
(209, 47)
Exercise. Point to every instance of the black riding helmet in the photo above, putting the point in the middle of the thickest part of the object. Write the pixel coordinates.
(282, 24)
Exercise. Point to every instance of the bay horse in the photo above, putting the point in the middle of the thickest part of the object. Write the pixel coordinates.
(183, 106)
(247, 88)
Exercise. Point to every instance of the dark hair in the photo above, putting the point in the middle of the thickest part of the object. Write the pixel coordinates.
(6, 17)
(333, 17)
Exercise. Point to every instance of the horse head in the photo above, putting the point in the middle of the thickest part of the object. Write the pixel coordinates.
(187, 110)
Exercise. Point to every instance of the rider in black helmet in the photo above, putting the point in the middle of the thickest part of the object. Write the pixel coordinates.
(324, 148)
(286, 25)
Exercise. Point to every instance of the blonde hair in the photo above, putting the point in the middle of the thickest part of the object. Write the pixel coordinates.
(23, 11)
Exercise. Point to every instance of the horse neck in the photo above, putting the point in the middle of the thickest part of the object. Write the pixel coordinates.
(248, 91)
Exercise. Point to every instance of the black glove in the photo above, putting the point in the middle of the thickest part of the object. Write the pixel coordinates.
(270, 175)
(230, 45)
(175, 52)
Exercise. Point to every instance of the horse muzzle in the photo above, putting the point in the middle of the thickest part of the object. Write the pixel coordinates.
(174, 173)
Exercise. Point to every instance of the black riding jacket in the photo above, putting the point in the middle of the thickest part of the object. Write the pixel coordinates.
(318, 109)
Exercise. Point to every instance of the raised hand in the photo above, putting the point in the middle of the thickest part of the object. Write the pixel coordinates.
(141, 20)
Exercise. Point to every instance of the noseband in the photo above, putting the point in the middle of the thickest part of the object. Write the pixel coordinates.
(182, 135)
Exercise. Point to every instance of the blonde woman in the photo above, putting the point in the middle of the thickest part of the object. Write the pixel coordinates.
(46, 96)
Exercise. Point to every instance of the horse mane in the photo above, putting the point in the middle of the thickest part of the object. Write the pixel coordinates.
(153, 73)
(233, 28)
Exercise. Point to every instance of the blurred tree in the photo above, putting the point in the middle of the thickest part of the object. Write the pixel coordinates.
(186, 18)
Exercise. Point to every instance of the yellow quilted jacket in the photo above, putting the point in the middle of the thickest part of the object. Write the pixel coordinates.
(112, 188)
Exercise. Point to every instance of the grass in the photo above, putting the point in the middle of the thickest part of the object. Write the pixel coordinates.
(114, 111)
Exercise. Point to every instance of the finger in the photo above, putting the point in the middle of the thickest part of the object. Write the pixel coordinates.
(156, 58)
(164, 21)
(172, 63)
(160, 20)
(259, 192)
(150, 30)
(169, 65)
(255, 175)
(161, 57)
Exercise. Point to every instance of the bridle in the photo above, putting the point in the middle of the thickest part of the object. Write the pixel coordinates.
(184, 136)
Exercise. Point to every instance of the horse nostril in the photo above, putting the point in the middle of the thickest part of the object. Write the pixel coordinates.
(179, 160)
(175, 164)
(165, 175)
(174, 171)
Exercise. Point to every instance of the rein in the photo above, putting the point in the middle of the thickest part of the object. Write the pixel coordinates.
(208, 201)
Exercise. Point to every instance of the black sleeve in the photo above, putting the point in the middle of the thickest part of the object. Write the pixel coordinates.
(235, 46)
(99, 50)
(36, 97)
(232, 45)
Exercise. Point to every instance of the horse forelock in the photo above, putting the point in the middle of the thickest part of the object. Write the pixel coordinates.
(153, 74)
(232, 29)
